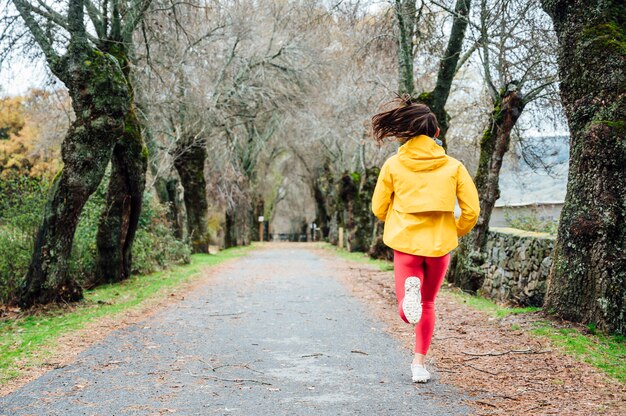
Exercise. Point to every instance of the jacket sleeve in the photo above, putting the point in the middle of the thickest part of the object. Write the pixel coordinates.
(381, 199)
(467, 195)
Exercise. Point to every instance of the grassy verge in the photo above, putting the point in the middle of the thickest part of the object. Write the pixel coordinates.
(30, 340)
(489, 306)
(605, 352)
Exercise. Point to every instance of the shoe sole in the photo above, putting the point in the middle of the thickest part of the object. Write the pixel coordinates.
(421, 380)
(412, 303)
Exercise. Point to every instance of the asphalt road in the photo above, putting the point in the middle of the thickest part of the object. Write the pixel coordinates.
(274, 334)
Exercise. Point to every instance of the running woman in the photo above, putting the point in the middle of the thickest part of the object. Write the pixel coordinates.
(415, 196)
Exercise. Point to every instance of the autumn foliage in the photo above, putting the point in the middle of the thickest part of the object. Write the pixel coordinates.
(31, 130)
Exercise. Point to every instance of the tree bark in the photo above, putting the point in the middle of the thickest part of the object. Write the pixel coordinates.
(405, 16)
(437, 98)
(321, 186)
(587, 281)
(237, 227)
(321, 214)
(100, 99)
(465, 269)
(120, 217)
(190, 167)
(258, 211)
(176, 213)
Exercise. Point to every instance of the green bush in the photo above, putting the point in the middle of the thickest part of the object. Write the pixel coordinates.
(155, 246)
(22, 200)
(21, 208)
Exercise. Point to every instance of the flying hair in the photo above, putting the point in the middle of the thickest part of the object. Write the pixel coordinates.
(406, 120)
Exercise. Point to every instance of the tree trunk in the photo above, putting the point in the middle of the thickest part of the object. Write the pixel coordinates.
(438, 98)
(237, 229)
(165, 185)
(321, 214)
(230, 237)
(120, 217)
(587, 282)
(190, 167)
(101, 101)
(347, 194)
(176, 213)
(405, 16)
(259, 211)
(465, 270)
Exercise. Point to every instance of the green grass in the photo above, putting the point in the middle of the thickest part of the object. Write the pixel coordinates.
(32, 339)
(489, 306)
(605, 352)
(383, 265)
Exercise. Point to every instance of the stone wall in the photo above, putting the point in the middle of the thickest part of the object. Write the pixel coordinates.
(517, 267)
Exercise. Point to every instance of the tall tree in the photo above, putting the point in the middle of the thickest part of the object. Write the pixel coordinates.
(587, 282)
(94, 68)
(449, 65)
(520, 74)
(410, 16)
(179, 89)
(120, 217)
(406, 17)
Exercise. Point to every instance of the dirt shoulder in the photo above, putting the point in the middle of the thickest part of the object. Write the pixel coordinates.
(504, 371)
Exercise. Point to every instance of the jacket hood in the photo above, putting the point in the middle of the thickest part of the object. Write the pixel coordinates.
(422, 153)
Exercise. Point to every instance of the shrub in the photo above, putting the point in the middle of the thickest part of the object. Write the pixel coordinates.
(155, 246)
(21, 209)
(22, 200)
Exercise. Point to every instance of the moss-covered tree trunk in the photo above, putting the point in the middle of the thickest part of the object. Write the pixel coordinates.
(190, 167)
(165, 183)
(322, 194)
(587, 282)
(355, 192)
(237, 228)
(465, 270)
(437, 98)
(101, 101)
(321, 213)
(176, 212)
(120, 217)
(347, 192)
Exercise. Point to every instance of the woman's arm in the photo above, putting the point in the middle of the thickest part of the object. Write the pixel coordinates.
(467, 195)
(382, 193)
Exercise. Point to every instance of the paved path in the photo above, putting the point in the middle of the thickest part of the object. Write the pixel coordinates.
(277, 321)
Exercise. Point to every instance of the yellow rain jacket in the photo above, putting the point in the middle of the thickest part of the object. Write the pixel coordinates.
(415, 195)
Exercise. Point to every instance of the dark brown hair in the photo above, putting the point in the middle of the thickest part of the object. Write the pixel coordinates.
(406, 120)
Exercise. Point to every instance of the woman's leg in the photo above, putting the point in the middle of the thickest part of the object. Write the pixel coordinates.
(434, 272)
(405, 265)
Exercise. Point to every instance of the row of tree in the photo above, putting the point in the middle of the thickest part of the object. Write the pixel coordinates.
(520, 54)
(227, 110)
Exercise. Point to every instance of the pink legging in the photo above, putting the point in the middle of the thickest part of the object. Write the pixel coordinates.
(431, 271)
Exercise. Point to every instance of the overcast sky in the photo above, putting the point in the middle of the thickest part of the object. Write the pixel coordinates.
(21, 75)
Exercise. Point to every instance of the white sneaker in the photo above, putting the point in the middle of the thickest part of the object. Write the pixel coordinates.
(412, 302)
(420, 374)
